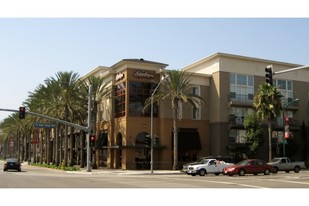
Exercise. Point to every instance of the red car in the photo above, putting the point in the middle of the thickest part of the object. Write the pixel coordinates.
(249, 166)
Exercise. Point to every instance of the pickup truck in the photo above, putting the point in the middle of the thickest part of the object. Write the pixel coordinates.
(207, 166)
(285, 164)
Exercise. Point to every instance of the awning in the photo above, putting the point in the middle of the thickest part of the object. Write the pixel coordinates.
(101, 141)
(188, 139)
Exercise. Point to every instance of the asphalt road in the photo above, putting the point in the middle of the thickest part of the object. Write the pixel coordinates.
(35, 185)
(37, 177)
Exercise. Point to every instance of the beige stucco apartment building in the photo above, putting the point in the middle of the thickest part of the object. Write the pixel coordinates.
(227, 82)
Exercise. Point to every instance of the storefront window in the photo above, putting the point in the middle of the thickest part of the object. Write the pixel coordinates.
(120, 100)
(139, 92)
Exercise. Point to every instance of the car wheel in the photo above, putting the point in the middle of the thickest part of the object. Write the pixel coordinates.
(296, 169)
(241, 172)
(202, 172)
(267, 172)
(276, 169)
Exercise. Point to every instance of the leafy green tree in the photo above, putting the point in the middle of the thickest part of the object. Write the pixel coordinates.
(177, 89)
(254, 133)
(268, 105)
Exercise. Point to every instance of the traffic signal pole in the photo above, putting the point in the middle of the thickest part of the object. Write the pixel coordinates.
(290, 70)
(87, 129)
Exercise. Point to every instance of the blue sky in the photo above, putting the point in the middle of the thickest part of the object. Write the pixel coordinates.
(33, 49)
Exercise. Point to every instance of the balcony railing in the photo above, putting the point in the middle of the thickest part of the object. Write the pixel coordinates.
(240, 98)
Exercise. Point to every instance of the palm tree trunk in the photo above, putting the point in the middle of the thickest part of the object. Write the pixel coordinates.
(175, 162)
(71, 147)
(58, 145)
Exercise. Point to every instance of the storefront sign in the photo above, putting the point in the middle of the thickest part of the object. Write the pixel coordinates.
(119, 76)
(141, 74)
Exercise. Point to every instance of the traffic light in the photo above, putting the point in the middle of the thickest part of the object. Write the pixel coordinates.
(92, 141)
(22, 112)
(286, 128)
(147, 140)
(156, 141)
(269, 74)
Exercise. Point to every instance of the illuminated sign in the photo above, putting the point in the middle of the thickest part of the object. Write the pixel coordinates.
(141, 74)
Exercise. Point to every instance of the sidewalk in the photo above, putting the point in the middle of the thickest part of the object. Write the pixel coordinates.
(126, 172)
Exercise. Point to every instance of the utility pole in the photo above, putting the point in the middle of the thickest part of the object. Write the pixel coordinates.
(89, 129)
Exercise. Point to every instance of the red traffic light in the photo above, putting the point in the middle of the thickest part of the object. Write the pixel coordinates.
(286, 120)
(22, 112)
(92, 141)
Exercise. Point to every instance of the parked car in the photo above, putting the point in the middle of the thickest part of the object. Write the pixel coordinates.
(226, 159)
(207, 166)
(285, 164)
(12, 164)
(249, 166)
(198, 161)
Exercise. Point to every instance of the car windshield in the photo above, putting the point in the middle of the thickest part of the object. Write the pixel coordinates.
(11, 160)
(275, 160)
(244, 162)
(204, 161)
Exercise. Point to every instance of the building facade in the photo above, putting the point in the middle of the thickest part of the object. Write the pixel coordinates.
(233, 83)
(123, 126)
(227, 82)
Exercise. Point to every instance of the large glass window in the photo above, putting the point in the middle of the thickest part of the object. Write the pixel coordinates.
(120, 100)
(139, 92)
(237, 136)
(285, 87)
(241, 87)
(196, 112)
(238, 114)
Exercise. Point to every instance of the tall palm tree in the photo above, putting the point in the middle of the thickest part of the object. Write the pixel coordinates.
(268, 105)
(176, 88)
(64, 91)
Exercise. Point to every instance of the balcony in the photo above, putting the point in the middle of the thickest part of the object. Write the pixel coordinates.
(240, 99)
(236, 121)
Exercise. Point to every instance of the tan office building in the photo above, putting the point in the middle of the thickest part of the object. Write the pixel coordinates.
(227, 82)
(233, 83)
(124, 127)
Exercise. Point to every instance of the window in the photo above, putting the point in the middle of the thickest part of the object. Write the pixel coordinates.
(285, 87)
(241, 87)
(120, 102)
(237, 135)
(139, 92)
(196, 112)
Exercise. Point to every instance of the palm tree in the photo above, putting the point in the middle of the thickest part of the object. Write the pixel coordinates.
(177, 89)
(268, 104)
(65, 89)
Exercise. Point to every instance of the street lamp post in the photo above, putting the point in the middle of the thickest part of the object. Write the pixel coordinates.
(283, 118)
(151, 124)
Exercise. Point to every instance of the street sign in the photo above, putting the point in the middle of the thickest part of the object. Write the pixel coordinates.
(43, 125)
(35, 136)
